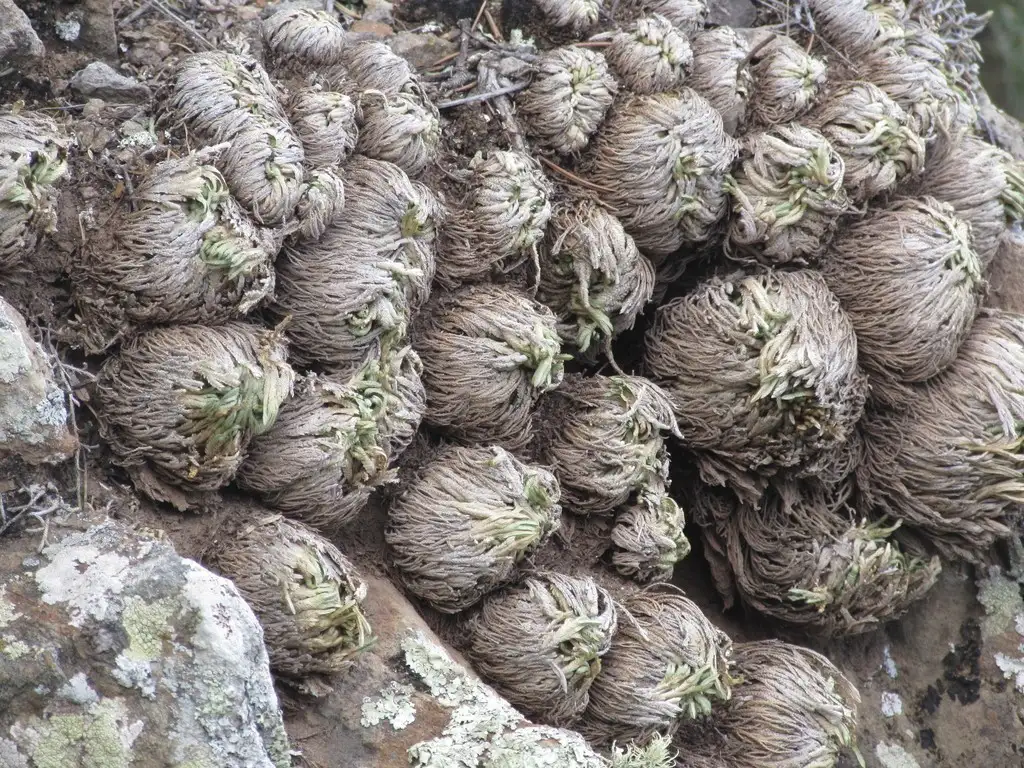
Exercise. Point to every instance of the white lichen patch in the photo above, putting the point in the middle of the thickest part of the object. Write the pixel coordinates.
(13, 648)
(134, 674)
(1002, 600)
(78, 691)
(10, 755)
(1012, 669)
(393, 706)
(541, 747)
(83, 578)
(895, 756)
(889, 664)
(892, 704)
(7, 612)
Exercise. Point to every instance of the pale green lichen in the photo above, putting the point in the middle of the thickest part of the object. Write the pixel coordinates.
(13, 648)
(895, 756)
(657, 753)
(1002, 600)
(95, 739)
(148, 626)
(393, 706)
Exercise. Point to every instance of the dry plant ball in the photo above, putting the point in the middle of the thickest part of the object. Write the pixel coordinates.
(667, 664)
(403, 129)
(762, 371)
(648, 538)
(322, 204)
(502, 222)
(947, 461)
(800, 556)
(858, 28)
(578, 16)
(984, 184)
(464, 522)
(651, 57)
(540, 644)
(689, 16)
(184, 252)
(568, 98)
(325, 122)
(721, 73)
(179, 406)
(223, 97)
(787, 82)
(911, 284)
(33, 159)
(592, 275)
(312, 37)
(604, 439)
(872, 134)
(488, 353)
(661, 162)
(307, 595)
(922, 91)
(787, 196)
(336, 440)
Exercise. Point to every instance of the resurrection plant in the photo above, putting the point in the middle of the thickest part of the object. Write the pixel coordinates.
(872, 134)
(592, 275)
(502, 222)
(787, 196)
(464, 522)
(651, 57)
(33, 159)
(370, 65)
(858, 28)
(911, 284)
(762, 371)
(660, 162)
(403, 129)
(948, 461)
(325, 123)
(540, 644)
(787, 81)
(604, 439)
(578, 16)
(667, 664)
(322, 204)
(801, 557)
(313, 37)
(648, 538)
(689, 16)
(305, 592)
(335, 441)
(488, 353)
(568, 98)
(721, 73)
(180, 405)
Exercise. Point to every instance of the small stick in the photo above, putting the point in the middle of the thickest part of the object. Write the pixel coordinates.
(346, 11)
(479, 15)
(495, 31)
(482, 96)
(444, 60)
(573, 177)
(140, 11)
(159, 5)
(593, 44)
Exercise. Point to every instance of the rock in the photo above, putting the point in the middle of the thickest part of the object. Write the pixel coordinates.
(17, 38)
(381, 11)
(421, 49)
(117, 652)
(732, 13)
(101, 81)
(33, 414)
(99, 28)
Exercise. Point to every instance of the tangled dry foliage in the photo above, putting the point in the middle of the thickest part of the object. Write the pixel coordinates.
(787, 195)
(488, 353)
(465, 520)
(648, 538)
(721, 73)
(763, 375)
(660, 162)
(325, 123)
(33, 159)
(178, 406)
(578, 16)
(403, 129)
(603, 437)
(787, 81)
(307, 595)
(801, 556)
(911, 284)
(336, 440)
(688, 16)
(540, 644)
(311, 36)
(947, 461)
(667, 664)
(652, 56)
(792, 709)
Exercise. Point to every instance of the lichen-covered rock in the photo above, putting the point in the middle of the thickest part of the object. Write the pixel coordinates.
(115, 652)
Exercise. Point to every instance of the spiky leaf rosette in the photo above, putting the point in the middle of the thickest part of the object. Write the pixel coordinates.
(568, 98)
(335, 440)
(956, 28)
(858, 28)
(911, 284)
(762, 371)
(403, 129)
(371, 65)
(502, 221)
(592, 275)
(33, 159)
(791, 709)
(984, 184)
(947, 461)
(488, 353)
(721, 73)
(661, 162)
(648, 538)
(307, 595)
(802, 557)
(872, 134)
(604, 439)
(787, 196)
(787, 81)
(224, 97)
(325, 123)
(322, 204)
(657, 753)
(540, 644)
(667, 664)
(652, 56)
(307, 36)
(689, 16)
(464, 522)
(179, 406)
(578, 16)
